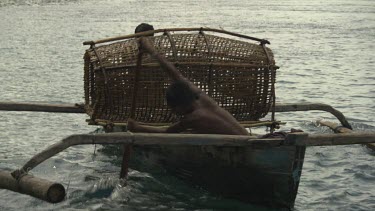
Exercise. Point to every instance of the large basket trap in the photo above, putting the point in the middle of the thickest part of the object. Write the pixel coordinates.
(238, 74)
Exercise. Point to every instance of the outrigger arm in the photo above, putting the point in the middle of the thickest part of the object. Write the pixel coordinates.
(340, 129)
(142, 139)
(288, 107)
(79, 108)
(21, 182)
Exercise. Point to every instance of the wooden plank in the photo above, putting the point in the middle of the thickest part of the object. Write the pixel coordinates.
(42, 107)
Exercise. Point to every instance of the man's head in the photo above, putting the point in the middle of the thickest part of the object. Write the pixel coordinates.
(180, 97)
(144, 27)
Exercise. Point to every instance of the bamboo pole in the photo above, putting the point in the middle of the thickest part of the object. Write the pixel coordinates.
(142, 139)
(340, 129)
(148, 33)
(338, 139)
(42, 107)
(52, 192)
(103, 122)
(313, 106)
(192, 63)
(33, 186)
(70, 108)
(127, 148)
(334, 126)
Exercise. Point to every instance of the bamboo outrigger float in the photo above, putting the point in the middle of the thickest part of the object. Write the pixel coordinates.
(122, 81)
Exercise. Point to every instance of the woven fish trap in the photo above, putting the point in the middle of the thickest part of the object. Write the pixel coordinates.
(237, 71)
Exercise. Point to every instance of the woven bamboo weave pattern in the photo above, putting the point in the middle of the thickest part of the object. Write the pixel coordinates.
(236, 73)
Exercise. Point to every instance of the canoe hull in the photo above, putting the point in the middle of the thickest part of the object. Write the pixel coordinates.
(267, 176)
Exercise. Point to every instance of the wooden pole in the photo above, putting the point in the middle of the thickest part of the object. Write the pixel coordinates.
(71, 141)
(70, 108)
(141, 139)
(42, 107)
(158, 124)
(148, 33)
(340, 129)
(127, 149)
(334, 126)
(313, 106)
(338, 139)
(52, 192)
(33, 186)
(193, 63)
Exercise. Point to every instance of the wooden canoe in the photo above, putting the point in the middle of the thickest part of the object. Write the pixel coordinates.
(266, 176)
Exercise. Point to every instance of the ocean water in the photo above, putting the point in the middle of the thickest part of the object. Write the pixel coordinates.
(325, 50)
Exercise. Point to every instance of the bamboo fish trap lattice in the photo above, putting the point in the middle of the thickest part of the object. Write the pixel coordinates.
(233, 69)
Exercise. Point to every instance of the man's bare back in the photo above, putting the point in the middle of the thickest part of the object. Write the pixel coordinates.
(199, 112)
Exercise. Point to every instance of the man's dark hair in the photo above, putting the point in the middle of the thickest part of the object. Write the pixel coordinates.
(180, 94)
(144, 27)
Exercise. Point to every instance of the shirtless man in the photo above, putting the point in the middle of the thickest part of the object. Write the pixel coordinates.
(143, 27)
(199, 112)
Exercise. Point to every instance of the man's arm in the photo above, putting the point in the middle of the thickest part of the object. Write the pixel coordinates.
(166, 65)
